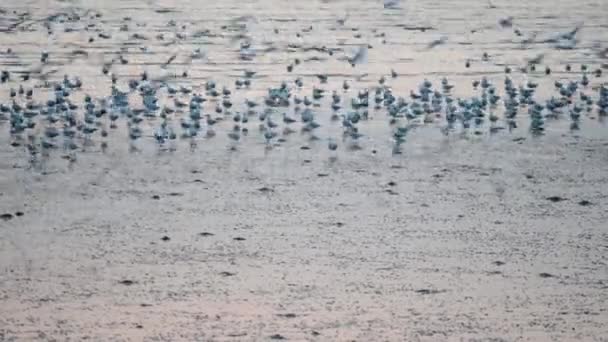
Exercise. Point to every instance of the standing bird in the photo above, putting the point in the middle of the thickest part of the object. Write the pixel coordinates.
(359, 57)
(391, 4)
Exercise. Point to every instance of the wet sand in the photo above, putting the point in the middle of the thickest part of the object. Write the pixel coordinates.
(491, 237)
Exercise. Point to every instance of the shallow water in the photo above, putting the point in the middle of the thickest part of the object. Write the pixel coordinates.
(453, 239)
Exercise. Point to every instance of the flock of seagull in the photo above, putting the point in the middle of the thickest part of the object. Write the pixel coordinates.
(179, 112)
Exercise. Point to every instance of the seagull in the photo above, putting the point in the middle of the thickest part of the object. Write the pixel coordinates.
(359, 57)
(197, 54)
(536, 60)
(529, 40)
(570, 34)
(437, 42)
(342, 21)
(506, 22)
(171, 59)
(332, 145)
(391, 4)
(246, 53)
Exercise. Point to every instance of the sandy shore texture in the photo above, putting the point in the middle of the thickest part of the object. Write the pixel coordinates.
(489, 237)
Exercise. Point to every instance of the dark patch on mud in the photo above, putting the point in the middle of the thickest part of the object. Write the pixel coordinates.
(555, 199)
(127, 282)
(429, 291)
(287, 315)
